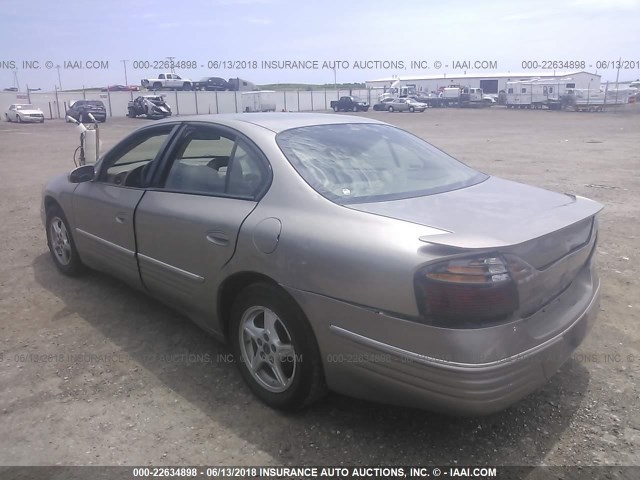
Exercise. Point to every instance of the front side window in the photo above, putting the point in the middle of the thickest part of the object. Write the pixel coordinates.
(357, 163)
(125, 165)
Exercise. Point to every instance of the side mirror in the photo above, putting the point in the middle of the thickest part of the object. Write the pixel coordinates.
(84, 173)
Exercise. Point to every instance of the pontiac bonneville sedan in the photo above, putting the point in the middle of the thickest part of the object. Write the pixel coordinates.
(339, 252)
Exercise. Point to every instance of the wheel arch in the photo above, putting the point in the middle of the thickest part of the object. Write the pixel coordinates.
(49, 202)
(231, 287)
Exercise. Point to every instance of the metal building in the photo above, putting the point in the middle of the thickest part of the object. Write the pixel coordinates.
(491, 84)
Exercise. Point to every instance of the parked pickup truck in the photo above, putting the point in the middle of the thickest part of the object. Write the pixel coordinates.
(167, 80)
(349, 104)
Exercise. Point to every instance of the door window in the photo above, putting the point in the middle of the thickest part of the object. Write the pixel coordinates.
(212, 162)
(129, 164)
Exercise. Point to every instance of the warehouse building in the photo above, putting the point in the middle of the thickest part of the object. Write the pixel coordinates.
(489, 83)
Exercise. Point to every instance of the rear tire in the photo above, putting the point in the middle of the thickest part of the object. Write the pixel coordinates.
(336, 109)
(186, 86)
(411, 109)
(61, 244)
(157, 86)
(355, 109)
(275, 348)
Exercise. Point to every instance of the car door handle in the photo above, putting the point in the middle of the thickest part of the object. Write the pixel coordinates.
(121, 218)
(218, 238)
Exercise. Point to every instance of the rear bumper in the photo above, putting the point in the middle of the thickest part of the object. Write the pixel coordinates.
(363, 361)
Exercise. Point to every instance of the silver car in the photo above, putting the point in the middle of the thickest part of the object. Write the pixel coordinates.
(338, 252)
(406, 105)
(24, 113)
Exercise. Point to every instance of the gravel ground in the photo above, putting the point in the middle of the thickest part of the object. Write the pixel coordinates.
(157, 391)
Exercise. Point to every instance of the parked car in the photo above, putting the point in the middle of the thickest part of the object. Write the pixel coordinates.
(383, 104)
(213, 84)
(349, 104)
(406, 105)
(80, 110)
(121, 88)
(339, 252)
(150, 106)
(24, 113)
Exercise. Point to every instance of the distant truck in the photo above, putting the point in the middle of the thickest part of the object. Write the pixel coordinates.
(349, 104)
(465, 97)
(169, 81)
(240, 85)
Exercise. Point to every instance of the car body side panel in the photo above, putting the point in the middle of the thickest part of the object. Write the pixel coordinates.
(103, 229)
(61, 190)
(184, 241)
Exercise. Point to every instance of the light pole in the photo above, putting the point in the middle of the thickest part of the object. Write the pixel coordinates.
(59, 81)
(171, 60)
(335, 82)
(126, 80)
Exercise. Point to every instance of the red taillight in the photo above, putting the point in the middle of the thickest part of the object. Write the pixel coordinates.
(468, 290)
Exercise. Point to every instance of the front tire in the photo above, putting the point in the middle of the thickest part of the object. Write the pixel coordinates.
(411, 109)
(336, 109)
(275, 348)
(19, 118)
(390, 109)
(355, 109)
(61, 245)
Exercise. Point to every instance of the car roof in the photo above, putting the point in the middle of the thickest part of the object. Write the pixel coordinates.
(276, 121)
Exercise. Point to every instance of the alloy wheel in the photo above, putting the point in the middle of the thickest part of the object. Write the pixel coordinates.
(267, 349)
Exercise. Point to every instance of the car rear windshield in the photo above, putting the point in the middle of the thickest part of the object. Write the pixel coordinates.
(358, 163)
(95, 103)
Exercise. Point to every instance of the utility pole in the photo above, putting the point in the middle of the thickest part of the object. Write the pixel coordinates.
(618, 78)
(59, 81)
(16, 83)
(171, 60)
(126, 81)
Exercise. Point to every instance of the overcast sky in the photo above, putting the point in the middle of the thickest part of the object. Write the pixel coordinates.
(507, 32)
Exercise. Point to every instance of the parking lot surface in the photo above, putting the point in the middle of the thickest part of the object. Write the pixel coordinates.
(92, 372)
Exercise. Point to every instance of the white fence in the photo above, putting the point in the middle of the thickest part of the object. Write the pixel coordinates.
(55, 104)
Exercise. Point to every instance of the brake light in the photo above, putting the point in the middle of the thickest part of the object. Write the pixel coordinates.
(466, 290)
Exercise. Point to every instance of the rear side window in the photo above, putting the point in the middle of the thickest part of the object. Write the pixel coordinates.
(357, 163)
(213, 162)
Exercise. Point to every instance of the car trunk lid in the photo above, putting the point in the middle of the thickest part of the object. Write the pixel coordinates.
(546, 236)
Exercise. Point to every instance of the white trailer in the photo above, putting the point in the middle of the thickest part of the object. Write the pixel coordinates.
(533, 93)
(260, 101)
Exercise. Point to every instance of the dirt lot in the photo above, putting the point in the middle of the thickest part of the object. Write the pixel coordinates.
(139, 400)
